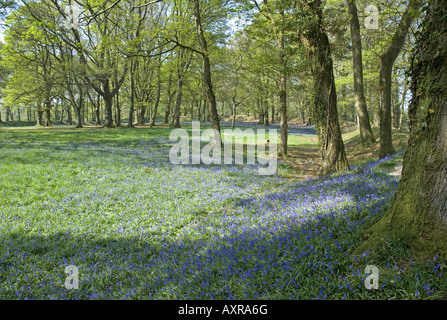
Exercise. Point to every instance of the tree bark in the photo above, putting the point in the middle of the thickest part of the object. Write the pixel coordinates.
(48, 118)
(234, 107)
(176, 112)
(332, 150)
(118, 110)
(39, 119)
(9, 115)
(419, 210)
(385, 78)
(283, 125)
(366, 134)
(157, 99)
(98, 111)
(266, 113)
(169, 102)
(132, 96)
(207, 82)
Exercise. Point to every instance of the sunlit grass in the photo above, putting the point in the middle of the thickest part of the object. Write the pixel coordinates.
(137, 227)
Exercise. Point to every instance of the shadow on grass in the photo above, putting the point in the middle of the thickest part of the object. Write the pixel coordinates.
(263, 254)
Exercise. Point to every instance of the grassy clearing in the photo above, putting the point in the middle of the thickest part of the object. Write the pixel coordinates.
(137, 227)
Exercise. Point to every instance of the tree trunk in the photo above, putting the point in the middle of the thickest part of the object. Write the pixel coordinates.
(118, 110)
(419, 209)
(178, 100)
(266, 113)
(108, 104)
(69, 115)
(9, 116)
(332, 150)
(48, 118)
(39, 118)
(207, 82)
(142, 115)
(284, 128)
(203, 103)
(233, 119)
(98, 111)
(366, 134)
(157, 99)
(132, 96)
(168, 104)
(78, 110)
(386, 67)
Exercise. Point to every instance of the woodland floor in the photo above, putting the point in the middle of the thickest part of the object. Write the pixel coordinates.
(139, 227)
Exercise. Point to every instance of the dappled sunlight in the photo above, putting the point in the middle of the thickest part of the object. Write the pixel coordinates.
(139, 227)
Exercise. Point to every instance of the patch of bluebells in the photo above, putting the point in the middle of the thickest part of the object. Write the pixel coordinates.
(138, 227)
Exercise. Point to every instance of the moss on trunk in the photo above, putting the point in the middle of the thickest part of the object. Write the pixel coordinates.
(418, 215)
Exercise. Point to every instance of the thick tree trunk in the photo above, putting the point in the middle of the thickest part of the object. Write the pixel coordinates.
(419, 209)
(108, 104)
(39, 119)
(386, 68)
(9, 115)
(78, 113)
(332, 150)
(364, 124)
(47, 109)
(48, 118)
(69, 115)
(142, 115)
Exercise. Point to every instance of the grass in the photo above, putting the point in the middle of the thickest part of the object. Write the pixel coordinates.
(138, 227)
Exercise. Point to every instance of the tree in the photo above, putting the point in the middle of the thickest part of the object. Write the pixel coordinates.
(207, 82)
(366, 133)
(29, 51)
(276, 16)
(387, 59)
(333, 156)
(419, 209)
